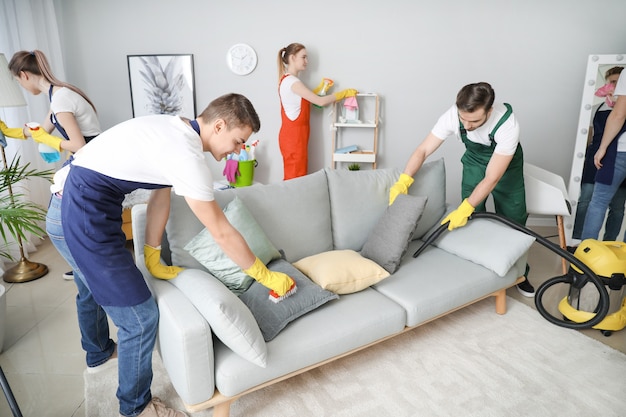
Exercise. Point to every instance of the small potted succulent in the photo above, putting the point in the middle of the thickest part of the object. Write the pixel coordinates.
(354, 167)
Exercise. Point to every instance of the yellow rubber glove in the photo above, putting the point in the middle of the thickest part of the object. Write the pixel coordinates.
(12, 132)
(41, 136)
(152, 258)
(458, 218)
(277, 281)
(323, 86)
(348, 92)
(400, 187)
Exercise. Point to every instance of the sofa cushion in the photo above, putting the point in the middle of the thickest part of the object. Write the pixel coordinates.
(486, 242)
(437, 282)
(229, 318)
(273, 317)
(359, 198)
(334, 329)
(387, 243)
(182, 226)
(341, 271)
(206, 251)
(294, 214)
(301, 204)
(430, 181)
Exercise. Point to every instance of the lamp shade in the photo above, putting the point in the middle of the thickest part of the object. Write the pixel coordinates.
(10, 91)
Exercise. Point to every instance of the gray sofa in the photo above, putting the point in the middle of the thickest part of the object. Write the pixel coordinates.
(324, 211)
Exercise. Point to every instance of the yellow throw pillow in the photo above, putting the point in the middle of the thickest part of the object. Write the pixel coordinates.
(341, 271)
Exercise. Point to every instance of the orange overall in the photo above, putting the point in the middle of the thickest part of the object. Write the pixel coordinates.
(293, 140)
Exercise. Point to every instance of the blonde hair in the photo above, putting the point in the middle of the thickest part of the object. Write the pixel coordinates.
(36, 63)
(283, 57)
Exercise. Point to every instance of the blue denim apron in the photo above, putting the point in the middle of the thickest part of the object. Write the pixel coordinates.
(92, 223)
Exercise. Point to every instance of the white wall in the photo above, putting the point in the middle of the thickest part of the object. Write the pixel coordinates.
(416, 54)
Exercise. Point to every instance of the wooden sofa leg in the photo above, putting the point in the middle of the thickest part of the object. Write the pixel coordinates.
(500, 301)
(222, 410)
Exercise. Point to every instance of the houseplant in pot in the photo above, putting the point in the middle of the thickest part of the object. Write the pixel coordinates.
(18, 216)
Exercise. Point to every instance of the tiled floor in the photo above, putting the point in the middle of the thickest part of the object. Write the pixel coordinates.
(43, 360)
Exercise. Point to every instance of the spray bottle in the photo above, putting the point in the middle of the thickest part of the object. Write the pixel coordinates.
(48, 153)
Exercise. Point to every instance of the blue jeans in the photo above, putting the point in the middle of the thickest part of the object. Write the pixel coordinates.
(137, 328)
(614, 218)
(92, 319)
(601, 198)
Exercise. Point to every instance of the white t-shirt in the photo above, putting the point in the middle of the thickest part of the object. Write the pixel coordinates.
(155, 149)
(507, 136)
(620, 90)
(65, 100)
(290, 100)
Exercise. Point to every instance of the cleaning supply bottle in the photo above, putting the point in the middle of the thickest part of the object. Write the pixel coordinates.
(48, 153)
(243, 154)
(251, 148)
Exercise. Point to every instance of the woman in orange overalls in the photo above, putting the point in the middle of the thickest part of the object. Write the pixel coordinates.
(295, 106)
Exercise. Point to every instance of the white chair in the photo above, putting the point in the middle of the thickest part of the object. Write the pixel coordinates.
(546, 195)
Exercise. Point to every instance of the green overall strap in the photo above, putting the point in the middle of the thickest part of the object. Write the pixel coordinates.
(492, 134)
(503, 119)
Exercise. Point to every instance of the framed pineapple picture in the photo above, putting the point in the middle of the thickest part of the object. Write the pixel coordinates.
(162, 84)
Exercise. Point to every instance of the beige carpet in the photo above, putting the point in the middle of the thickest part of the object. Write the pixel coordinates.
(470, 363)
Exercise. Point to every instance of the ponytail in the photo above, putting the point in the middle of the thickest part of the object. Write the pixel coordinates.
(281, 63)
(36, 63)
(283, 57)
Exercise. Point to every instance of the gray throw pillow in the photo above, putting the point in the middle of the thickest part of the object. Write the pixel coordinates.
(273, 317)
(389, 240)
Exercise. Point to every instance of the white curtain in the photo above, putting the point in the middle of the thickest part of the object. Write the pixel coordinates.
(28, 25)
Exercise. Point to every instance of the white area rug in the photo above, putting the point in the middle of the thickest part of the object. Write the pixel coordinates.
(470, 363)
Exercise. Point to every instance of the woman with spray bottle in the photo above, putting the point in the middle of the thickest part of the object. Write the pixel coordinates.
(74, 116)
(295, 105)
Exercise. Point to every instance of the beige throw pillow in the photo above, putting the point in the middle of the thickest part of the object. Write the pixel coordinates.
(341, 271)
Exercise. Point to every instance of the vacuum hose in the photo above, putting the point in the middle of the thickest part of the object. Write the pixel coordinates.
(603, 303)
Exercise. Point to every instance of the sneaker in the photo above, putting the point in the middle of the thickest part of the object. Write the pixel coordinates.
(156, 408)
(68, 276)
(526, 289)
(110, 363)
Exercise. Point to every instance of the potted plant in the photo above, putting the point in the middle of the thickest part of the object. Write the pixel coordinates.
(354, 167)
(18, 215)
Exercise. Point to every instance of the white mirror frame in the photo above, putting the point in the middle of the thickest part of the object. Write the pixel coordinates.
(595, 65)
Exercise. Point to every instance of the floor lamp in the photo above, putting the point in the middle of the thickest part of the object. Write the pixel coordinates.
(11, 96)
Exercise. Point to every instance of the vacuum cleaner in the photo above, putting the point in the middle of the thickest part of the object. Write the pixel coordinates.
(596, 277)
(608, 261)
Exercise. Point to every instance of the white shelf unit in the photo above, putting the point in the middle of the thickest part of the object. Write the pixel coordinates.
(364, 156)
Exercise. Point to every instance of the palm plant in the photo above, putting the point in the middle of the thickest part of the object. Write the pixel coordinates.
(19, 216)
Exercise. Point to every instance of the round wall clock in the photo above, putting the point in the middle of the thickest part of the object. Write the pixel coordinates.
(241, 59)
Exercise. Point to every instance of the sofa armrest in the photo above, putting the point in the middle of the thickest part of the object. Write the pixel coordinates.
(138, 222)
(185, 343)
(184, 338)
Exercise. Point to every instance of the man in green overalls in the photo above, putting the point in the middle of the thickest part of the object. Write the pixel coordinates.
(493, 162)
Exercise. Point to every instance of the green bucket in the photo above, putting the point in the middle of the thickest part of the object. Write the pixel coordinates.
(246, 173)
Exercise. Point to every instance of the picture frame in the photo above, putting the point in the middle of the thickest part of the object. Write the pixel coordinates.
(162, 84)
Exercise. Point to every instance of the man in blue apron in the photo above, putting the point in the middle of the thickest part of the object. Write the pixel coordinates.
(493, 162)
(150, 152)
(610, 160)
